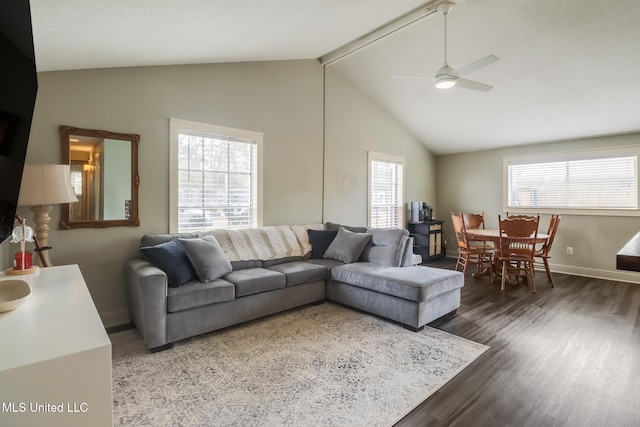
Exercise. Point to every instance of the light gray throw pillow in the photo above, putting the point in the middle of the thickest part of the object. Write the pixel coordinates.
(347, 246)
(207, 257)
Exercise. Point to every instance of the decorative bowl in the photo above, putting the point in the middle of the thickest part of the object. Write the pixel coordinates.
(13, 293)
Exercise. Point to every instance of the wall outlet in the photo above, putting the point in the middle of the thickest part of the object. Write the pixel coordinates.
(569, 250)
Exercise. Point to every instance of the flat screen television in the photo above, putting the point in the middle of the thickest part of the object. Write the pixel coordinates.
(18, 87)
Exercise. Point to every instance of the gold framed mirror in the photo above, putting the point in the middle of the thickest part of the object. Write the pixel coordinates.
(104, 176)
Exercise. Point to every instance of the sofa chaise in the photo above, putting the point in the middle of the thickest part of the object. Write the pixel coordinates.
(189, 284)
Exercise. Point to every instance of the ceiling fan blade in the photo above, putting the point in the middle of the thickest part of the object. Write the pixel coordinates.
(476, 65)
(470, 84)
(413, 77)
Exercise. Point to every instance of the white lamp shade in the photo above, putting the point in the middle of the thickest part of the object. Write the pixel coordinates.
(46, 185)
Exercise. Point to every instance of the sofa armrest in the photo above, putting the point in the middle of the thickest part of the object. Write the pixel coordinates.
(147, 297)
(405, 252)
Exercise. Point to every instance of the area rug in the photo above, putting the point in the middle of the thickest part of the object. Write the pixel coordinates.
(323, 365)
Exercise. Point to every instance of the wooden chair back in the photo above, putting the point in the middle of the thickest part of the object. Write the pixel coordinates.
(522, 216)
(461, 233)
(553, 228)
(473, 221)
(518, 238)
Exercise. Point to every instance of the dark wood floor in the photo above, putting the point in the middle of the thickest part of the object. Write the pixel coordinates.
(566, 356)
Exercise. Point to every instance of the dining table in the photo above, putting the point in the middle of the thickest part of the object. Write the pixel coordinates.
(493, 235)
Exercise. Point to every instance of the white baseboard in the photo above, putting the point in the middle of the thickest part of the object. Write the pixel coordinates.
(617, 275)
(115, 318)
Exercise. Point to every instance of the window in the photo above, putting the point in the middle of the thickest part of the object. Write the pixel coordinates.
(215, 177)
(386, 190)
(76, 178)
(581, 181)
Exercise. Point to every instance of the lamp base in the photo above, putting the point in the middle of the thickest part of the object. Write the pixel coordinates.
(13, 272)
(41, 218)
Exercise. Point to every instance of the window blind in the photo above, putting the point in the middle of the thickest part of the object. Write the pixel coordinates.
(386, 192)
(585, 180)
(217, 182)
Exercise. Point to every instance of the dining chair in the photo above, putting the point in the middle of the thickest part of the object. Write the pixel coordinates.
(542, 254)
(517, 246)
(521, 216)
(468, 254)
(474, 221)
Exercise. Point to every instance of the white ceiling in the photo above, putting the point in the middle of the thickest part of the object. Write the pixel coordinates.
(568, 69)
(76, 34)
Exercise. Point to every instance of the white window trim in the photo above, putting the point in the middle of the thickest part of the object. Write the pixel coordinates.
(371, 156)
(566, 155)
(175, 125)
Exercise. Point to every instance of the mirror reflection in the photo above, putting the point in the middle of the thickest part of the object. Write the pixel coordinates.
(104, 177)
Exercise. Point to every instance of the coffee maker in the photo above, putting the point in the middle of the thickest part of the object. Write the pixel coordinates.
(427, 212)
(421, 212)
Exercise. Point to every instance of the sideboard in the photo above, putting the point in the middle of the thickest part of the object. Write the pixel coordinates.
(427, 238)
(55, 357)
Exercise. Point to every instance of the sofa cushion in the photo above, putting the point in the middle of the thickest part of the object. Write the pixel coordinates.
(207, 258)
(387, 246)
(320, 241)
(255, 280)
(197, 294)
(156, 239)
(298, 272)
(271, 262)
(171, 258)
(241, 265)
(326, 263)
(335, 227)
(417, 283)
(347, 246)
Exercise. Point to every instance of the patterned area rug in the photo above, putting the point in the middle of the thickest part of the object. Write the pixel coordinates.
(323, 365)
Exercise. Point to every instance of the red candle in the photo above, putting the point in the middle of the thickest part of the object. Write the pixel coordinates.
(17, 260)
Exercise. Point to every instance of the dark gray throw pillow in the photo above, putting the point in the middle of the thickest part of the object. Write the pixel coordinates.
(171, 258)
(347, 246)
(320, 241)
(207, 258)
(335, 227)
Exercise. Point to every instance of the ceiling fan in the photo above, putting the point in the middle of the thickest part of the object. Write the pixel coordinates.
(446, 77)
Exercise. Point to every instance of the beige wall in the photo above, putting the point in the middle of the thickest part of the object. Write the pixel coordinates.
(283, 99)
(354, 125)
(472, 182)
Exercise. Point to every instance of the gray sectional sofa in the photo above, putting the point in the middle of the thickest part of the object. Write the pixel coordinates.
(188, 284)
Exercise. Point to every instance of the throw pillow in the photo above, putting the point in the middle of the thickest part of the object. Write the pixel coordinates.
(320, 241)
(207, 258)
(347, 246)
(171, 258)
(336, 227)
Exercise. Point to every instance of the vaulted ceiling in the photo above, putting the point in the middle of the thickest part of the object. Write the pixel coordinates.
(568, 69)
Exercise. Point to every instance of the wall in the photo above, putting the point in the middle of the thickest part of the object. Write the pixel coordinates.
(354, 125)
(472, 182)
(283, 99)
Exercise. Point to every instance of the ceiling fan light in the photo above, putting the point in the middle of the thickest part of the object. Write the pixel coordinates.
(445, 82)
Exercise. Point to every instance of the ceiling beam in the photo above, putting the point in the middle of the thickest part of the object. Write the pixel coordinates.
(382, 32)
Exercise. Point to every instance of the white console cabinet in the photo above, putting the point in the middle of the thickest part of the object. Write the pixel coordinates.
(55, 356)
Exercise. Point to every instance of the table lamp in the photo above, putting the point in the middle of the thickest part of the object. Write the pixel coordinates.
(42, 186)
